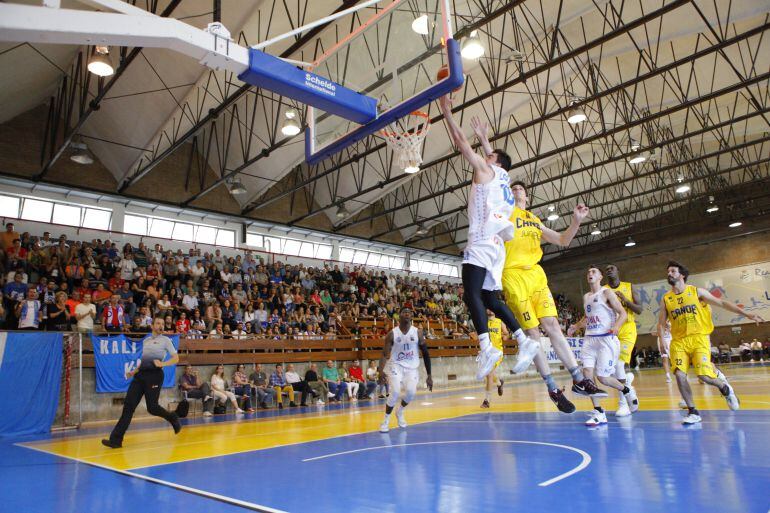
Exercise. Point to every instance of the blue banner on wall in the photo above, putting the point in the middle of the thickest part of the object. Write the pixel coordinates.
(117, 355)
(30, 376)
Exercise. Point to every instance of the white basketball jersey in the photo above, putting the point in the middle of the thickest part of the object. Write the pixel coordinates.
(405, 350)
(489, 208)
(600, 317)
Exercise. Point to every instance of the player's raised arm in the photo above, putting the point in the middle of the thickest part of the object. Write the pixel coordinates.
(481, 171)
(709, 298)
(564, 238)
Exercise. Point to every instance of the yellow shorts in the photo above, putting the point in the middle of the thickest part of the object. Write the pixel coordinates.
(695, 350)
(528, 296)
(627, 337)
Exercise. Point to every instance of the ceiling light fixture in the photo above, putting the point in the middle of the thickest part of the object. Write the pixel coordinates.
(420, 25)
(81, 155)
(291, 125)
(630, 243)
(472, 48)
(100, 64)
(596, 230)
(735, 224)
(236, 187)
(342, 212)
(712, 207)
(421, 229)
(576, 114)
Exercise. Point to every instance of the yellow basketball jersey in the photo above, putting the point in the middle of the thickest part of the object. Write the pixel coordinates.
(524, 251)
(687, 313)
(495, 327)
(625, 289)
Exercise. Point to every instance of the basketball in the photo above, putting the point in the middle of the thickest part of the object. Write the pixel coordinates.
(443, 72)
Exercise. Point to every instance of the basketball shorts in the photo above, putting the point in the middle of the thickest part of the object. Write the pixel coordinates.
(692, 350)
(528, 296)
(399, 376)
(627, 337)
(489, 254)
(601, 354)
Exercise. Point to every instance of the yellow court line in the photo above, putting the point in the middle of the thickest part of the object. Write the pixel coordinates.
(150, 447)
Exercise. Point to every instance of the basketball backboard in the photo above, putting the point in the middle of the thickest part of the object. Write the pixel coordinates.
(393, 57)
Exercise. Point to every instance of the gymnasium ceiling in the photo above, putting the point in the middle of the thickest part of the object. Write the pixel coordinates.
(687, 80)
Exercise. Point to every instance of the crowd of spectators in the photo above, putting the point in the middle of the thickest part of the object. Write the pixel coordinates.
(60, 284)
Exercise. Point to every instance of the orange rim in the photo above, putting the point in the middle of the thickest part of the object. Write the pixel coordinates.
(417, 113)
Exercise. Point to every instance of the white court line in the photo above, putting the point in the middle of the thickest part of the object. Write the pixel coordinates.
(583, 464)
(619, 423)
(176, 486)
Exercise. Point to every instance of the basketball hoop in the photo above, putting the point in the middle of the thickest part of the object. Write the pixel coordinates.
(405, 136)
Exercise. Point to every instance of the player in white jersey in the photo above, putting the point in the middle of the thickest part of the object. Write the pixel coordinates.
(400, 351)
(601, 347)
(664, 343)
(490, 203)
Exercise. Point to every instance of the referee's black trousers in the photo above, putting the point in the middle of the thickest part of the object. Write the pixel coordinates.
(146, 383)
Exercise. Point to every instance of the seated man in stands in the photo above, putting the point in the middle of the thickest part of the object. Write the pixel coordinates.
(331, 377)
(757, 354)
(260, 390)
(357, 376)
(296, 383)
(279, 384)
(316, 384)
(194, 388)
(724, 352)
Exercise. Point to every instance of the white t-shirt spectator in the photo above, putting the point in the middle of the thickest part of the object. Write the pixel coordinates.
(127, 267)
(190, 302)
(87, 322)
(197, 271)
(292, 377)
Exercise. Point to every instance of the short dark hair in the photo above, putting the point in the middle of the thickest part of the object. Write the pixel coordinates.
(503, 159)
(682, 269)
(520, 184)
(595, 266)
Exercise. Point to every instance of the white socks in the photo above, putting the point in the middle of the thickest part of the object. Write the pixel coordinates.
(484, 342)
(520, 335)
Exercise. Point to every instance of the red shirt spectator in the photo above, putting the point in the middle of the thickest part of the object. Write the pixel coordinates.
(183, 324)
(113, 316)
(356, 372)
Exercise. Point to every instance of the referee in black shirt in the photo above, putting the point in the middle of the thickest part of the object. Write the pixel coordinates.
(147, 382)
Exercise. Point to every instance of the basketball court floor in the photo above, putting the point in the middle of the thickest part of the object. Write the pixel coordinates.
(519, 455)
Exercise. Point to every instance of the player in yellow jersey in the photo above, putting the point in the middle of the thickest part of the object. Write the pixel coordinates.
(687, 307)
(497, 333)
(526, 291)
(629, 298)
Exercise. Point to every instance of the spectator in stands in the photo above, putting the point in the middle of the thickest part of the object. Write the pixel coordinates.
(30, 313)
(317, 385)
(85, 313)
(263, 394)
(194, 388)
(56, 314)
(331, 377)
(756, 350)
(724, 352)
(242, 387)
(766, 347)
(745, 349)
(280, 385)
(356, 374)
(299, 386)
(113, 315)
(8, 236)
(219, 388)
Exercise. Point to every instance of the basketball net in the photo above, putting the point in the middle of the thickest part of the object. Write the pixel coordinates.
(405, 136)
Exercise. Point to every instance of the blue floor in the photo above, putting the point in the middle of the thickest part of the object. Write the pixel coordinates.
(483, 462)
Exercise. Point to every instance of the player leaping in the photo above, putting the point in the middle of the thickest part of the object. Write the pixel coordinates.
(490, 203)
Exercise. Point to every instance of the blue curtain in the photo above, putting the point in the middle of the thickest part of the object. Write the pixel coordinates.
(30, 376)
